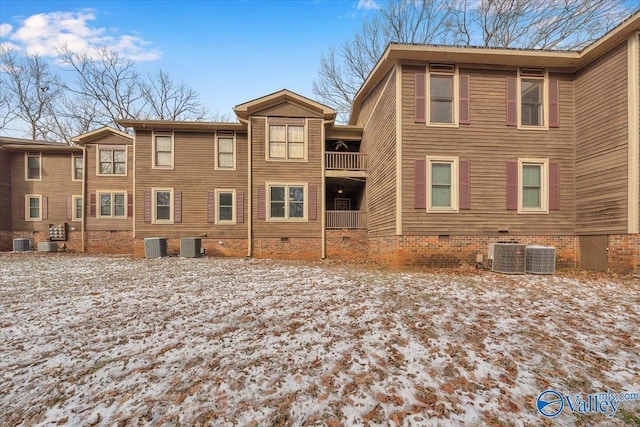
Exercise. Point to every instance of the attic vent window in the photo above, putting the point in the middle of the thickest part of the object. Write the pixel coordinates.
(442, 68)
(532, 72)
(163, 131)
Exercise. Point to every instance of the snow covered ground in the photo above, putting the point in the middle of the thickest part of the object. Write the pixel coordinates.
(115, 341)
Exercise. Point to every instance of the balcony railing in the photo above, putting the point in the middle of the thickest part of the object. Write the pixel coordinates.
(346, 161)
(346, 219)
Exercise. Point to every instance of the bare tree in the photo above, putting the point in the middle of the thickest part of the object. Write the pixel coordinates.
(552, 24)
(29, 88)
(168, 100)
(105, 83)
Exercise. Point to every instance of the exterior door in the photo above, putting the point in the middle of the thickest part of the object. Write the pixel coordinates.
(594, 253)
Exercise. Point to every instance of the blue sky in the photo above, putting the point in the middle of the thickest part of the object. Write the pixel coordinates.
(229, 51)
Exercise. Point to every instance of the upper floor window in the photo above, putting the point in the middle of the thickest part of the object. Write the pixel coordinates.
(112, 160)
(287, 139)
(163, 146)
(225, 150)
(532, 100)
(286, 201)
(113, 204)
(33, 170)
(442, 83)
(442, 191)
(77, 166)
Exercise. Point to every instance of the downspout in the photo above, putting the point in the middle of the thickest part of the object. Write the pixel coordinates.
(133, 217)
(323, 185)
(249, 189)
(84, 197)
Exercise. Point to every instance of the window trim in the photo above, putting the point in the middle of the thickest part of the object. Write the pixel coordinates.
(455, 184)
(162, 132)
(112, 193)
(27, 206)
(219, 221)
(73, 166)
(286, 218)
(305, 137)
(73, 208)
(154, 205)
(26, 166)
(544, 186)
(456, 94)
(112, 148)
(545, 99)
(216, 151)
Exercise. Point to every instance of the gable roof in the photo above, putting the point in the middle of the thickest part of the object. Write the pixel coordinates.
(568, 60)
(99, 133)
(243, 111)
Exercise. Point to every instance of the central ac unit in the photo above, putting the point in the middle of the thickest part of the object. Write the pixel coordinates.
(540, 259)
(508, 258)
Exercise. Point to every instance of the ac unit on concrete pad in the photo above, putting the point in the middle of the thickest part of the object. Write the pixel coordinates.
(508, 258)
(155, 247)
(190, 247)
(47, 247)
(21, 245)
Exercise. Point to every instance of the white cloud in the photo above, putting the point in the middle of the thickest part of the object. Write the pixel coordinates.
(44, 33)
(368, 5)
(5, 29)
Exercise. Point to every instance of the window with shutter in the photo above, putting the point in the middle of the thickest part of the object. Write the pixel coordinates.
(442, 184)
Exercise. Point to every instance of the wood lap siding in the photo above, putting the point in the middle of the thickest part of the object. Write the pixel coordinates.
(6, 207)
(284, 172)
(379, 142)
(488, 144)
(369, 103)
(288, 109)
(601, 145)
(55, 187)
(194, 180)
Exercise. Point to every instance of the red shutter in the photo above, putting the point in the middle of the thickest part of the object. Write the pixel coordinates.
(45, 208)
(554, 104)
(130, 205)
(313, 195)
(69, 208)
(177, 207)
(21, 209)
(92, 205)
(512, 186)
(420, 97)
(239, 207)
(554, 186)
(211, 206)
(420, 184)
(261, 203)
(464, 100)
(464, 172)
(147, 206)
(512, 101)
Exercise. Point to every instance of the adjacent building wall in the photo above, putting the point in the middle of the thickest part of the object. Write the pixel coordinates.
(5, 201)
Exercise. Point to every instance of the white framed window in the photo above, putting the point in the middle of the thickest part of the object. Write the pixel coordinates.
(225, 206)
(533, 186)
(112, 204)
(77, 167)
(33, 167)
(225, 150)
(163, 149)
(33, 207)
(76, 203)
(162, 205)
(442, 95)
(287, 202)
(442, 188)
(287, 139)
(533, 96)
(112, 160)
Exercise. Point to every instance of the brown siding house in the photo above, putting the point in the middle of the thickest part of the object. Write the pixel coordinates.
(447, 150)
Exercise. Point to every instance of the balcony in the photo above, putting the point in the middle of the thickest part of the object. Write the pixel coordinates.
(337, 220)
(345, 164)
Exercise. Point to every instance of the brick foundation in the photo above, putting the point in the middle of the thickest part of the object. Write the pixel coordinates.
(624, 253)
(348, 245)
(212, 247)
(297, 248)
(454, 251)
(109, 242)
